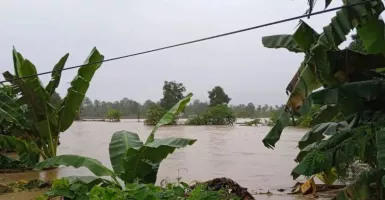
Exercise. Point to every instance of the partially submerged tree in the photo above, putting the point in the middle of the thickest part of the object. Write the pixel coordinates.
(218, 96)
(172, 93)
(218, 112)
(113, 115)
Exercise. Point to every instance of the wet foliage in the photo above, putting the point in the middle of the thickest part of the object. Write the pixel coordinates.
(76, 189)
(349, 126)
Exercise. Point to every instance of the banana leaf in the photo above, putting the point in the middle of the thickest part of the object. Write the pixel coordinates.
(27, 151)
(325, 114)
(144, 163)
(373, 36)
(281, 41)
(306, 83)
(17, 61)
(76, 161)
(55, 76)
(169, 116)
(380, 140)
(348, 18)
(361, 189)
(318, 157)
(9, 110)
(305, 36)
(275, 133)
(76, 93)
(121, 141)
(89, 181)
(319, 132)
(36, 97)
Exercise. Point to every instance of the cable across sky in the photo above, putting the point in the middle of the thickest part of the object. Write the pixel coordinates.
(199, 40)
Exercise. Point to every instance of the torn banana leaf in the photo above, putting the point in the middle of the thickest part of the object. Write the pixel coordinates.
(306, 83)
(347, 19)
(281, 41)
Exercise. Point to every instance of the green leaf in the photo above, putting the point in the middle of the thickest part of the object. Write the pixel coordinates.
(319, 132)
(169, 116)
(56, 74)
(27, 151)
(76, 161)
(327, 3)
(17, 61)
(373, 36)
(79, 86)
(346, 19)
(143, 163)
(9, 109)
(361, 189)
(325, 114)
(281, 41)
(121, 141)
(275, 133)
(89, 181)
(380, 139)
(305, 36)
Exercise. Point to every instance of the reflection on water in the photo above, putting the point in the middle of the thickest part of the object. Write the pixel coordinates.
(236, 152)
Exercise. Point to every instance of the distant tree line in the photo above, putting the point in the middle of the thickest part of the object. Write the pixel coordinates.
(129, 108)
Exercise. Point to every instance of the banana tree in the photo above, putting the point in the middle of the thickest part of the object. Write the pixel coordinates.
(131, 159)
(354, 86)
(40, 123)
(322, 62)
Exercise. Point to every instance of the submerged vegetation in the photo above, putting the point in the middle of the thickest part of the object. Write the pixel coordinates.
(349, 126)
(218, 112)
(113, 115)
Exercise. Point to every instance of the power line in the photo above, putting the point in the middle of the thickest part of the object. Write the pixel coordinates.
(199, 40)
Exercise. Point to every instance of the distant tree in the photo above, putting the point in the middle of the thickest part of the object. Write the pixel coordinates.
(113, 115)
(196, 107)
(250, 110)
(146, 106)
(259, 111)
(218, 97)
(172, 94)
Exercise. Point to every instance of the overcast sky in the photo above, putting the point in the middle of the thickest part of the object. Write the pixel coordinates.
(43, 31)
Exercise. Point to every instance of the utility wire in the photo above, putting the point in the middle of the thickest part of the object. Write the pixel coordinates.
(199, 40)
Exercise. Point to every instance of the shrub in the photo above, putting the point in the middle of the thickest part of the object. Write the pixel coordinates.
(215, 115)
(154, 114)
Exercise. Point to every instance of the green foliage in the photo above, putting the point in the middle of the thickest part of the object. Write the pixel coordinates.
(131, 159)
(172, 93)
(218, 97)
(154, 114)
(306, 120)
(348, 128)
(113, 115)
(9, 163)
(34, 111)
(78, 189)
(215, 115)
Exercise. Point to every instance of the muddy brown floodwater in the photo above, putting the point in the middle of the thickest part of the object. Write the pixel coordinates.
(236, 152)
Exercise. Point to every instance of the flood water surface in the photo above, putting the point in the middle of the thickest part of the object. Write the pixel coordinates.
(236, 152)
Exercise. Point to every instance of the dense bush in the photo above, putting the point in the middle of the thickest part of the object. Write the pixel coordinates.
(154, 114)
(215, 115)
(113, 115)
